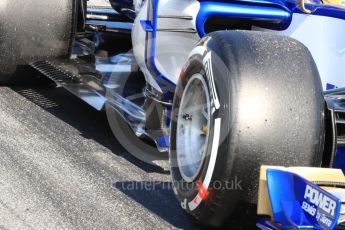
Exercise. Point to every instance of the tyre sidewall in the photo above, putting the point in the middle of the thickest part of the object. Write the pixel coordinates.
(191, 192)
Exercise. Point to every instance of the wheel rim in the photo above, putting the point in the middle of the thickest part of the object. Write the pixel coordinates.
(131, 143)
(192, 128)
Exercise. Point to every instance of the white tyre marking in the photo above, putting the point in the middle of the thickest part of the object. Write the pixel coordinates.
(214, 152)
(174, 189)
(201, 50)
(184, 204)
(209, 72)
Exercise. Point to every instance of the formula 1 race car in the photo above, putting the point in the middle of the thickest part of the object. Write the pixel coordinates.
(217, 87)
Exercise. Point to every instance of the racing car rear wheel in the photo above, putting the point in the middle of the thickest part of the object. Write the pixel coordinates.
(137, 147)
(34, 30)
(244, 99)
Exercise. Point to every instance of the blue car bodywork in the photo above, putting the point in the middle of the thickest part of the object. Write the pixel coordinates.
(299, 204)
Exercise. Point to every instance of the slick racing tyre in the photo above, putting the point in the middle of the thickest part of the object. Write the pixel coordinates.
(244, 99)
(34, 30)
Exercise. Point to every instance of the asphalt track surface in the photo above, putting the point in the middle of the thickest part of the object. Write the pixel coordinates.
(61, 168)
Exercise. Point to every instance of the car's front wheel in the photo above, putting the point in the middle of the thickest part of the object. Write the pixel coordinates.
(244, 99)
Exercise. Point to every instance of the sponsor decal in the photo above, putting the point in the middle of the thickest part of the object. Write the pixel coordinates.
(320, 200)
(319, 205)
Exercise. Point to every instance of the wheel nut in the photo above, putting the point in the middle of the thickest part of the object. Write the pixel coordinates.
(187, 117)
(204, 130)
